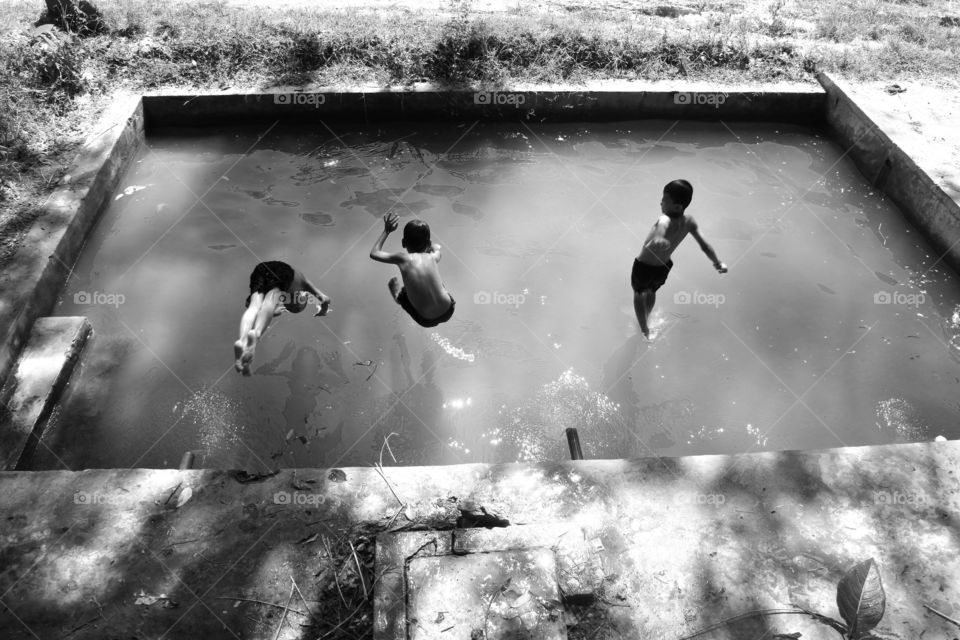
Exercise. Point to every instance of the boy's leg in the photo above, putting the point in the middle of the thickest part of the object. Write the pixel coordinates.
(247, 322)
(651, 299)
(262, 316)
(318, 295)
(640, 307)
(394, 286)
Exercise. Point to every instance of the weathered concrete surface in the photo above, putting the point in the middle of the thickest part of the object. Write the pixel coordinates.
(885, 163)
(506, 594)
(682, 102)
(34, 277)
(43, 370)
(685, 542)
(410, 600)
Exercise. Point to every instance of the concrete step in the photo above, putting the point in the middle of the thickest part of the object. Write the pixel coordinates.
(33, 389)
(497, 583)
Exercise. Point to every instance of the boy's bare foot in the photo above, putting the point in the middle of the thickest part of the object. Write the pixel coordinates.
(249, 346)
(394, 286)
(237, 352)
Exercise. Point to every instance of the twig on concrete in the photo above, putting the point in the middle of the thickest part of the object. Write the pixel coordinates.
(91, 620)
(944, 616)
(503, 587)
(432, 541)
(286, 607)
(269, 604)
(379, 469)
(403, 510)
(749, 614)
(363, 583)
(172, 493)
(336, 579)
(300, 592)
(345, 620)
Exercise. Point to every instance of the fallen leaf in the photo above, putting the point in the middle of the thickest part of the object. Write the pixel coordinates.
(860, 598)
(185, 495)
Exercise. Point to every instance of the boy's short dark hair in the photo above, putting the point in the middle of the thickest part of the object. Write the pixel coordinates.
(416, 236)
(680, 191)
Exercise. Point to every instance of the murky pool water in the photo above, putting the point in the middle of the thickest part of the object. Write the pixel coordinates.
(836, 324)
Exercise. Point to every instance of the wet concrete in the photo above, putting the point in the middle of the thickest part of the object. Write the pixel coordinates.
(682, 543)
(425, 102)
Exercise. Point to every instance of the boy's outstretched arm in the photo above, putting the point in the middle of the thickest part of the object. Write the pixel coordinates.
(390, 222)
(707, 249)
(324, 299)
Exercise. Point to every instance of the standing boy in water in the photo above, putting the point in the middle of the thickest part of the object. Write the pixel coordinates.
(651, 267)
(274, 286)
(422, 295)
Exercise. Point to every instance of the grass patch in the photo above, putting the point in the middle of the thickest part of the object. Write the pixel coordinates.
(52, 85)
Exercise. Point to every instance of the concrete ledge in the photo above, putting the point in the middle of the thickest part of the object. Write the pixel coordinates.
(935, 213)
(34, 388)
(805, 106)
(32, 281)
(684, 542)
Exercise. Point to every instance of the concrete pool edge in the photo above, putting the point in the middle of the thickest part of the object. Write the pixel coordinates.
(799, 106)
(886, 166)
(685, 542)
(74, 208)
(40, 267)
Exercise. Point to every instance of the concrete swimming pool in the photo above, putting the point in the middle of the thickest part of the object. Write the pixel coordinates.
(832, 328)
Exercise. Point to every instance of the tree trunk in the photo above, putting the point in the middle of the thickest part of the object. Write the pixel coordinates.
(75, 16)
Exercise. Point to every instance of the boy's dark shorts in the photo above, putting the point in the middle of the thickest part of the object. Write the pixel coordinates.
(404, 302)
(267, 276)
(646, 277)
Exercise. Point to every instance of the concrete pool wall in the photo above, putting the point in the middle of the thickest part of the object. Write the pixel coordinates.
(31, 284)
(81, 547)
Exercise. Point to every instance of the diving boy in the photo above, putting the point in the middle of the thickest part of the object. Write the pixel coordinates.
(651, 267)
(274, 286)
(422, 295)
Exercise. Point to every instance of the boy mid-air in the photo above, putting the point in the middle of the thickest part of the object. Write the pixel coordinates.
(422, 295)
(651, 267)
(274, 286)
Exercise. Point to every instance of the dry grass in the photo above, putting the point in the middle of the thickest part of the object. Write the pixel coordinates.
(51, 89)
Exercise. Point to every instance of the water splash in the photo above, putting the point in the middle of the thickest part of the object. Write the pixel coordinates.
(535, 430)
(898, 416)
(951, 332)
(216, 417)
(452, 350)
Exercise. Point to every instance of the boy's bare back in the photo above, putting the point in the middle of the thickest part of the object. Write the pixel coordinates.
(665, 236)
(421, 278)
(422, 295)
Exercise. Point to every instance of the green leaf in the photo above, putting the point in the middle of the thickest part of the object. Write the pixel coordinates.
(860, 598)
